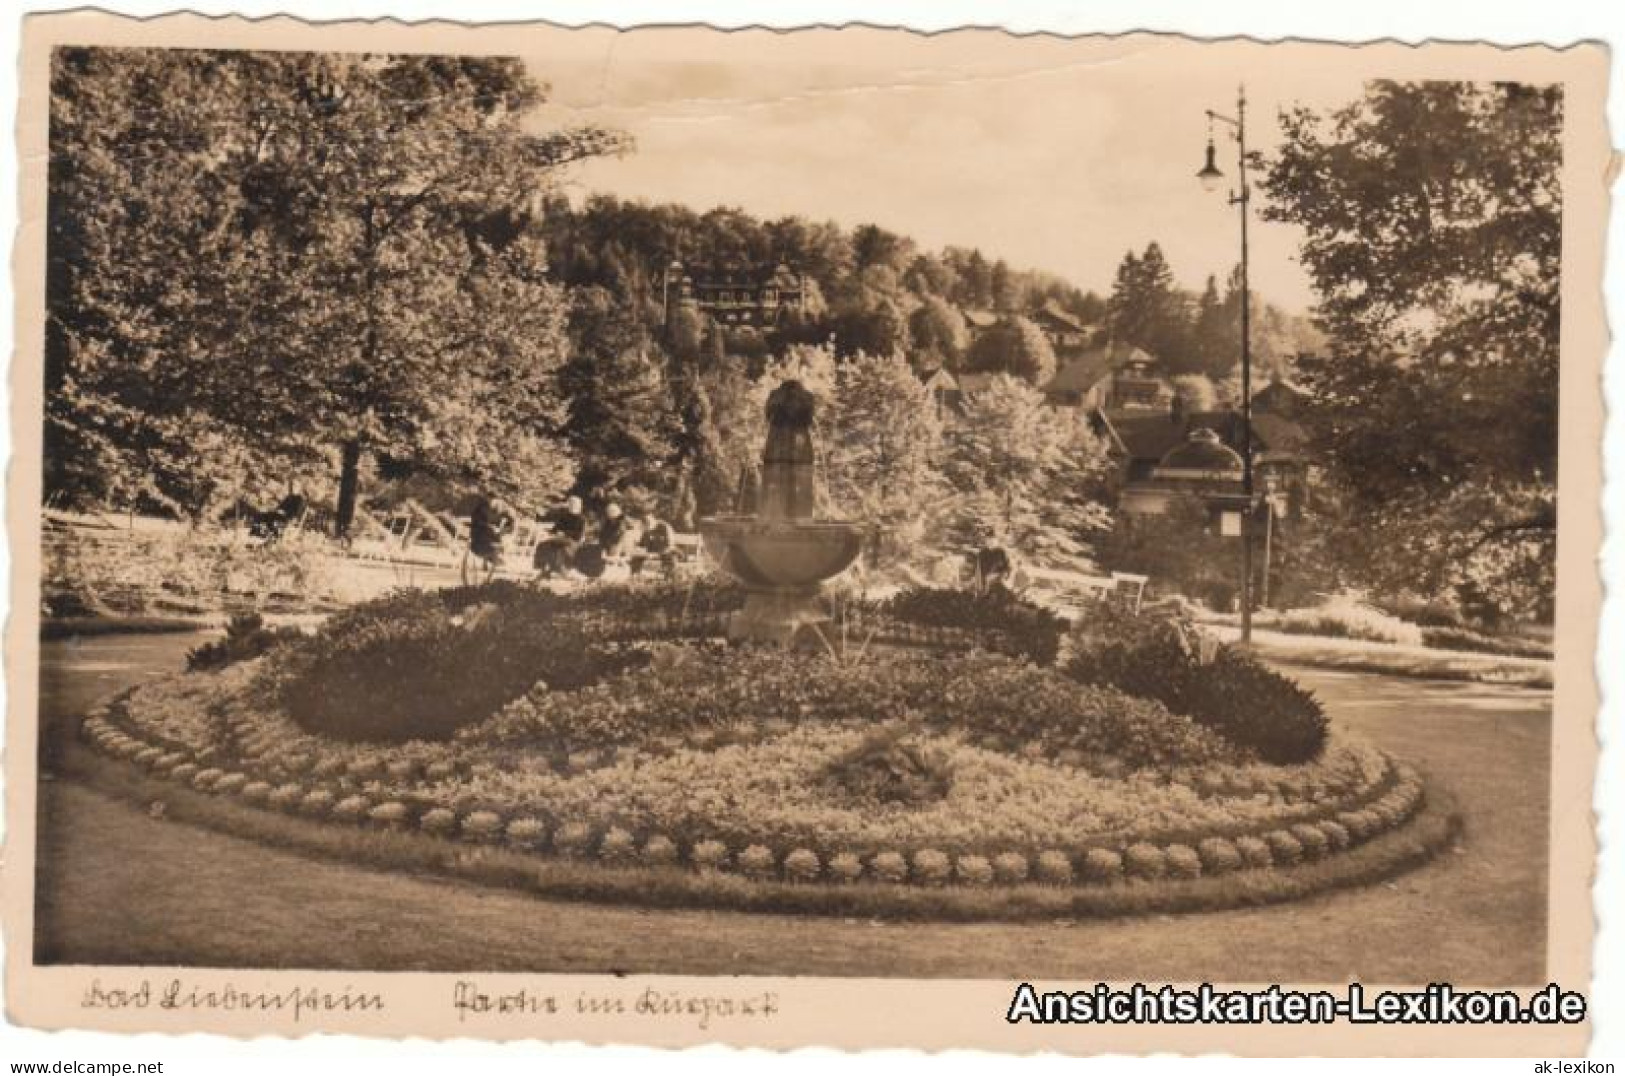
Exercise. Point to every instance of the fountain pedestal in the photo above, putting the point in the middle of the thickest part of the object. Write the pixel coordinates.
(783, 555)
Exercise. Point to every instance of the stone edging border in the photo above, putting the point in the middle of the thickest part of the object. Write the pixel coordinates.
(1274, 849)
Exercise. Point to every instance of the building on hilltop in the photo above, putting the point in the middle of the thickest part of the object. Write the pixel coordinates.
(755, 296)
(1066, 334)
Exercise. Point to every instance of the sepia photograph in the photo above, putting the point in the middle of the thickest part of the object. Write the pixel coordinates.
(830, 506)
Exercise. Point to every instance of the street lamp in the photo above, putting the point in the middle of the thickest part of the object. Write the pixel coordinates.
(1212, 178)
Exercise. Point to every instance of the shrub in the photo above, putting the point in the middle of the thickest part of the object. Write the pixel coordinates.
(1011, 867)
(572, 839)
(757, 861)
(889, 766)
(351, 808)
(482, 825)
(659, 851)
(1102, 865)
(1237, 697)
(204, 780)
(1337, 837)
(1346, 618)
(709, 855)
(256, 791)
(889, 867)
(247, 638)
(1285, 849)
(617, 846)
(1314, 841)
(419, 665)
(526, 833)
(286, 796)
(231, 782)
(1254, 852)
(1145, 861)
(845, 867)
(995, 620)
(184, 772)
(931, 866)
(1183, 861)
(973, 870)
(438, 820)
(317, 801)
(393, 813)
(801, 865)
(1219, 856)
(1055, 868)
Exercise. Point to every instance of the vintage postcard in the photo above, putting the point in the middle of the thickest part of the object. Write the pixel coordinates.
(839, 537)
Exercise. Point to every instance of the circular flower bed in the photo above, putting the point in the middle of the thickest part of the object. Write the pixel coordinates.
(897, 766)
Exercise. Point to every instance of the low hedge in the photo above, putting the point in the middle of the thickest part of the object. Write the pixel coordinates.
(419, 665)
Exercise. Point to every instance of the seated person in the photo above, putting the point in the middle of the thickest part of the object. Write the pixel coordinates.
(616, 534)
(654, 544)
(557, 553)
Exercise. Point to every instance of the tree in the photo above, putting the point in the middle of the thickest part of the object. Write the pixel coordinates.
(619, 409)
(1432, 219)
(1014, 346)
(360, 269)
(1145, 308)
(1195, 392)
(882, 439)
(1025, 475)
(938, 334)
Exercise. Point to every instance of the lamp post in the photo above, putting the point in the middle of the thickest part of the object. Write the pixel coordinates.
(1212, 178)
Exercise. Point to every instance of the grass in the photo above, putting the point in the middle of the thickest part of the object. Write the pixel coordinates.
(1388, 659)
(1380, 858)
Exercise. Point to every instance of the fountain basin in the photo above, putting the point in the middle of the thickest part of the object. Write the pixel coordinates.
(782, 564)
(786, 554)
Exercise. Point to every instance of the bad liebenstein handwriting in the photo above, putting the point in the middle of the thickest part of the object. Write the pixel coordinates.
(180, 995)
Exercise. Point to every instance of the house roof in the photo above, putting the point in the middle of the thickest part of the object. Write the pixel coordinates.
(728, 276)
(1151, 435)
(976, 382)
(1201, 451)
(1277, 433)
(1052, 313)
(1082, 373)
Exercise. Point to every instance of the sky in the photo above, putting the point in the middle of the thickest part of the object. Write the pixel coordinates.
(1041, 152)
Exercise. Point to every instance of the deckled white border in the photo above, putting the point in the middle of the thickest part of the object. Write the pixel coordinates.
(1557, 22)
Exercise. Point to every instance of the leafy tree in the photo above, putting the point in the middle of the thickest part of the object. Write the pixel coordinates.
(876, 329)
(1432, 219)
(1195, 392)
(619, 411)
(1014, 346)
(938, 334)
(882, 440)
(348, 261)
(1025, 475)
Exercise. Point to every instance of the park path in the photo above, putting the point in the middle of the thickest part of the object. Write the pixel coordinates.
(119, 886)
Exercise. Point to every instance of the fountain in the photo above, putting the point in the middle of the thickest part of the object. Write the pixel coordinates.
(781, 553)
